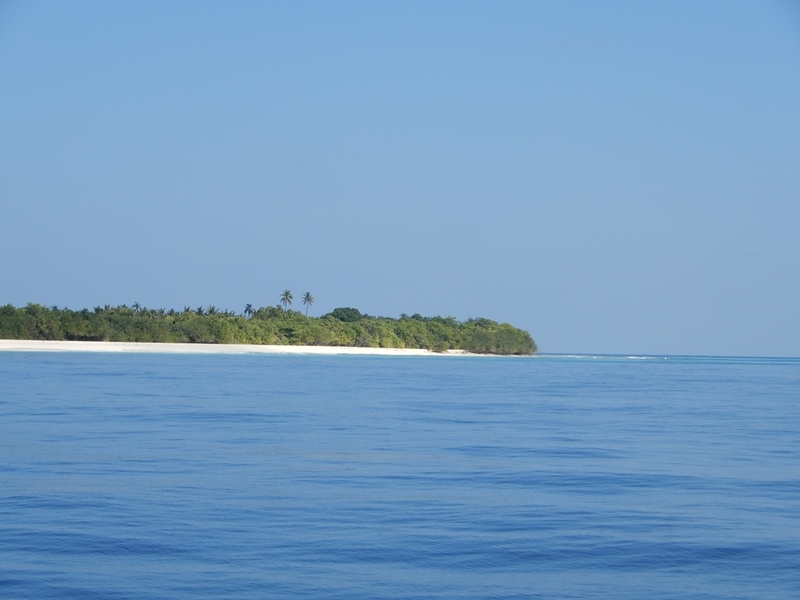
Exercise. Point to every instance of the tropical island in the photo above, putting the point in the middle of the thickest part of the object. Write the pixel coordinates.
(268, 325)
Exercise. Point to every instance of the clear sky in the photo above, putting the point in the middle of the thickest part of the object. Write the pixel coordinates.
(617, 177)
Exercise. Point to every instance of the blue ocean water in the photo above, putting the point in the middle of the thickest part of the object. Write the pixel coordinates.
(264, 476)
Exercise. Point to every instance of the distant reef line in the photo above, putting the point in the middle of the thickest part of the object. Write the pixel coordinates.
(273, 326)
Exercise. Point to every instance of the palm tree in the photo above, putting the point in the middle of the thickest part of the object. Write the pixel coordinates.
(248, 310)
(286, 299)
(308, 300)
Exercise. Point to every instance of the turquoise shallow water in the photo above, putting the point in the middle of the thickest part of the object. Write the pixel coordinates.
(162, 476)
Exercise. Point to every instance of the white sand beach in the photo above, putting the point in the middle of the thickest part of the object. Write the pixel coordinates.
(48, 346)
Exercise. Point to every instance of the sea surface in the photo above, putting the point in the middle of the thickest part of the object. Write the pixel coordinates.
(132, 476)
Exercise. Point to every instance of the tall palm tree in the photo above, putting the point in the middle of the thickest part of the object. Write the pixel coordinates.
(248, 310)
(308, 300)
(286, 299)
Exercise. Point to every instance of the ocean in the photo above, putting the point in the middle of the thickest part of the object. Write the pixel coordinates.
(132, 476)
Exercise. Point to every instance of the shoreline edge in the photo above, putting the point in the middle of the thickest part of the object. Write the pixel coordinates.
(188, 348)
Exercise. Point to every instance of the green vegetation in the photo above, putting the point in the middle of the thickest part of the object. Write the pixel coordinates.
(266, 325)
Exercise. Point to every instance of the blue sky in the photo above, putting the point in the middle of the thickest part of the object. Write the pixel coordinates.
(615, 177)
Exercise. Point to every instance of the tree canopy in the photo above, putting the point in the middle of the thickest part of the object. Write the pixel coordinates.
(266, 325)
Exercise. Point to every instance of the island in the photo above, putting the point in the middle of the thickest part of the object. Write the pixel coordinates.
(269, 325)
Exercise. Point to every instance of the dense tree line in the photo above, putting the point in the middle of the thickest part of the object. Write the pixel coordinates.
(265, 325)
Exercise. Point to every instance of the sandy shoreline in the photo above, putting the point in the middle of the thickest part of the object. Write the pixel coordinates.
(142, 347)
